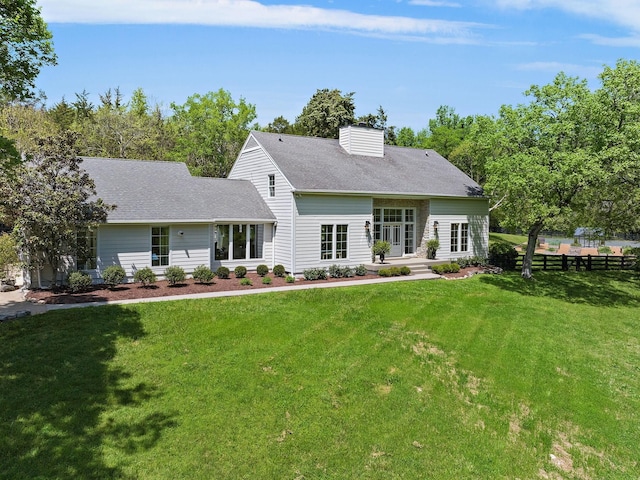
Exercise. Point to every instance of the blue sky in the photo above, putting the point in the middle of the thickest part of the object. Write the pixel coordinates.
(409, 56)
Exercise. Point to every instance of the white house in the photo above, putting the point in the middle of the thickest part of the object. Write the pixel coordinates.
(333, 198)
(297, 201)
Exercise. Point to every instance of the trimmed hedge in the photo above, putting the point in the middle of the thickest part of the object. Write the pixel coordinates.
(113, 275)
(174, 275)
(145, 276)
(203, 274)
(262, 270)
(240, 271)
(79, 282)
(222, 272)
(279, 270)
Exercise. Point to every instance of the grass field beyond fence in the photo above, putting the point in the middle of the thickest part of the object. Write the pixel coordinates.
(490, 377)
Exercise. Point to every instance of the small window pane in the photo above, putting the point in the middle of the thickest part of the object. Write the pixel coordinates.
(326, 242)
(239, 242)
(464, 237)
(159, 246)
(454, 236)
(256, 239)
(272, 185)
(341, 241)
(222, 242)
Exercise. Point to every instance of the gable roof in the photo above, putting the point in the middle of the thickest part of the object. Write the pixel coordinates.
(313, 164)
(154, 191)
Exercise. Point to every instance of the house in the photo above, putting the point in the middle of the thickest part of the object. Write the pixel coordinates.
(297, 201)
(333, 198)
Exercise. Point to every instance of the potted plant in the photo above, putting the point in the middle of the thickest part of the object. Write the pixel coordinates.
(381, 248)
(432, 247)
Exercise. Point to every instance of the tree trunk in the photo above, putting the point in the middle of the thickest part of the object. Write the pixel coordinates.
(531, 249)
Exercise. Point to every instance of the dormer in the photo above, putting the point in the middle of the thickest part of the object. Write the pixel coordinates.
(361, 140)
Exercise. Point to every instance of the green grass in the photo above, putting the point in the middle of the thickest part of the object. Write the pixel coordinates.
(511, 239)
(491, 377)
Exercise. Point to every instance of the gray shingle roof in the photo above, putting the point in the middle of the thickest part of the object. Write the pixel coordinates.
(320, 164)
(154, 191)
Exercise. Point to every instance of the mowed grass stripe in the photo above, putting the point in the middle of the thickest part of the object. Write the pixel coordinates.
(482, 378)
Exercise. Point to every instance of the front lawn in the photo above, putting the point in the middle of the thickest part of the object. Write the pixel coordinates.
(490, 377)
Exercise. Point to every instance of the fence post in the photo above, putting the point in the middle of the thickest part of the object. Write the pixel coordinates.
(565, 266)
(606, 262)
(588, 263)
(578, 259)
(544, 262)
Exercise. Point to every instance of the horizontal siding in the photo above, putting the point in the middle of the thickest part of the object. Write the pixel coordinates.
(256, 166)
(478, 235)
(362, 141)
(333, 205)
(128, 246)
(308, 241)
(190, 249)
(456, 206)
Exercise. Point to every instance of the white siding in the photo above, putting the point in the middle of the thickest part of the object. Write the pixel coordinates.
(126, 245)
(473, 212)
(190, 249)
(256, 166)
(313, 211)
(362, 141)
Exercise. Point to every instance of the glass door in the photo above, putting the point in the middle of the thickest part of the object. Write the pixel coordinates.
(392, 233)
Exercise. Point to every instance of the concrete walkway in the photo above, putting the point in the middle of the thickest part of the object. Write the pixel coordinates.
(13, 305)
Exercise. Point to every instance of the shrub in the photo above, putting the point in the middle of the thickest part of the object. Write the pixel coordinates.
(404, 270)
(266, 280)
(222, 272)
(432, 248)
(145, 276)
(240, 271)
(381, 248)
(246, 282)
(262, 270)
(445, 268)
(174, 275)
(203, 274)
(279, 270)
(8, 255)
(79, 281)
(474, 261)
(395, 271)
(360, 270)
(635, 251)
(605, 250)
(290, 279)
(503, 255)
(113, 275)
(336, 271)
(315, 274)
(384, 272)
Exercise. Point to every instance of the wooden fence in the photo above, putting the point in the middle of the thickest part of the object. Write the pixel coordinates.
(579, 262)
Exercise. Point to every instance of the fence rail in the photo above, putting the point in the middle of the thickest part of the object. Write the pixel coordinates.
(579, 262)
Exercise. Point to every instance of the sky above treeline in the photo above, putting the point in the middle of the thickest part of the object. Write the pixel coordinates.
(408, 56)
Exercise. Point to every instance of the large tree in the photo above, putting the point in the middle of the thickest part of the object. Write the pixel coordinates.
(326, 112)
(51, 199)
(25, 47)
(210, 131)
(545, 161)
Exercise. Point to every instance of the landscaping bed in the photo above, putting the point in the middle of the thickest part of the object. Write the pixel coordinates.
(101, 293)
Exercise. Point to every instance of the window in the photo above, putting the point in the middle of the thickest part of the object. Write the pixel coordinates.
(459, 237)
(243, 241)
(87, 250)
(159, 246)
(334, 240)
(396, 225)
(272, 185)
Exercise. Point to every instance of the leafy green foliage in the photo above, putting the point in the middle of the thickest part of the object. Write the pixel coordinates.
(79, 282)
(381, 247)
(222, 272)
(113, 275)
(240, 271)
(49, 200)
(326, 112)
(503, 255)
(145, 276)
(266, 280)
(474, 261)
(210, 131)
(290, 279)
(315, 274)
(262, 270)
(338, 271)
(245, 282)
(404, 270)
(8, 254)
(203, 274)
(360, 270)
(445, 268)
(432, 247)
(279, 271)
(174, 275)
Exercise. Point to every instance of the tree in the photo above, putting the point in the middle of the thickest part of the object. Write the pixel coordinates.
(447, 130)
(25, 47)
(379, 120)
(326, 112)
(545, 160)
(476, 149)
(210, 131)
(49, 200)
(280, 125)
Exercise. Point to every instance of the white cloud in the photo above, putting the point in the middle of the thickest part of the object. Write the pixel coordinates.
(251, 13)
(621, 12)
(632, 41)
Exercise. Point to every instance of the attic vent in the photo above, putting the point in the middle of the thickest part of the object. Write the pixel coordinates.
(358, 140)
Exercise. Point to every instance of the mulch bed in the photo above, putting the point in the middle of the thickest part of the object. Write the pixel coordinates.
(100, 293)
